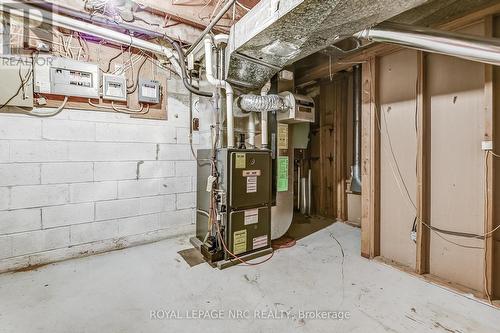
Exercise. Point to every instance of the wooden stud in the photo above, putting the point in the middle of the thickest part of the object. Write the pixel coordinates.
(423, 155)
(342, 151)
(489, 174)
(370, 168)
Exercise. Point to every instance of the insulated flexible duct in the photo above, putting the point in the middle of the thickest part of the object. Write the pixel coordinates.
(268, 103)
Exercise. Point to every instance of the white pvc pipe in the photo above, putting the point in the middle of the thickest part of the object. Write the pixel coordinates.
(22, 9)
(264, 117)
(224, 85)
(251, 130)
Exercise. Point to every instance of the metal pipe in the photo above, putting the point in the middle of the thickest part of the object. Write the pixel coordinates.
(216, 19)
(298, 186)
(481, 49)
(177, 60)
(251, 130)
(96, 19)
(357, 108)
(264, 118)
(22, 9)
(303, 205)
(309, 193)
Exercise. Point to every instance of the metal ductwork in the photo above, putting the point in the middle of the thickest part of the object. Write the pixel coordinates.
(480, 49)
(276, 33)
(257, 103)
(357, 107)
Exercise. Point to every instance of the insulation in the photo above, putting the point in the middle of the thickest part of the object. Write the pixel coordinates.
(277, 33)
(255, 103)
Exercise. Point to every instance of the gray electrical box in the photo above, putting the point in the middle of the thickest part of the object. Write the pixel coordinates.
(244, 197)
(67, 77)
(17, 82)
(149, 92)
(114, 87)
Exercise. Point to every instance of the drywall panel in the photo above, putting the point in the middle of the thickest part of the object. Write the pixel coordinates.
(398, 139)
(456, 102)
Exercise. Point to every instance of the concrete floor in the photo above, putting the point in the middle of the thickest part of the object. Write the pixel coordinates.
(115, 292)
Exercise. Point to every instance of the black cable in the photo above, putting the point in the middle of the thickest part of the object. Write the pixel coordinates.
(21, 87)
(116, 56)
(138, 74)
(185, 76)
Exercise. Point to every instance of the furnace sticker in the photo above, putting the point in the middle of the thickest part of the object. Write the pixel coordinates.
(241, 161)
(259, 242)
(239, 241)
(251, 216)
(251, 184)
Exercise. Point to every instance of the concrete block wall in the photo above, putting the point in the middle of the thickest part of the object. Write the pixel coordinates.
(88, 181)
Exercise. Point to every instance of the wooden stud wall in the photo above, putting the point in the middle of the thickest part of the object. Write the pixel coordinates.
(370, 162)
(493, 247)
(370, 246)
(423, 233)
(330, 138)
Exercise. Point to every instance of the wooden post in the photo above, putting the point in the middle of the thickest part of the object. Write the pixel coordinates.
(489, 174)
(340, 148)
(423, 233)
(370, 164)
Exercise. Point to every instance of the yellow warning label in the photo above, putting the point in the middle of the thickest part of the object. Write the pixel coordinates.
(241, 161)
(239, 241)
(282, 136)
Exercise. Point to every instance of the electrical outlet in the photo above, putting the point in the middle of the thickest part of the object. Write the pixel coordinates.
(413, 236)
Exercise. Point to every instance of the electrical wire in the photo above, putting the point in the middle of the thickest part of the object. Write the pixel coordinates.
(21, 86)
(120, 109)
(438, 231)
(137, 80)
(116, 57)
(400, 179)
(243, 6)
(51, 114)
(244, 262)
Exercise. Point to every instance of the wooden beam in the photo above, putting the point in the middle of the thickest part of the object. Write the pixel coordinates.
(183, 32)
(341, 148)
(489, 222)
(324, 69)
(370, 163)
(194, 13)
(423, 156)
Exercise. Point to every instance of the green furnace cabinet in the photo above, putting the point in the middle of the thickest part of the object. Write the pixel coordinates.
(244, 194)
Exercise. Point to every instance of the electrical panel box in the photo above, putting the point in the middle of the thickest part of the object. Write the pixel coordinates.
(149, 92)
(67, 77)
(301, 109)
(17, 82)
(244, 197)
(114, 87)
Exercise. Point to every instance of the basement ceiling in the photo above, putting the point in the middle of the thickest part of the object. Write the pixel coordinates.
(429, 14)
